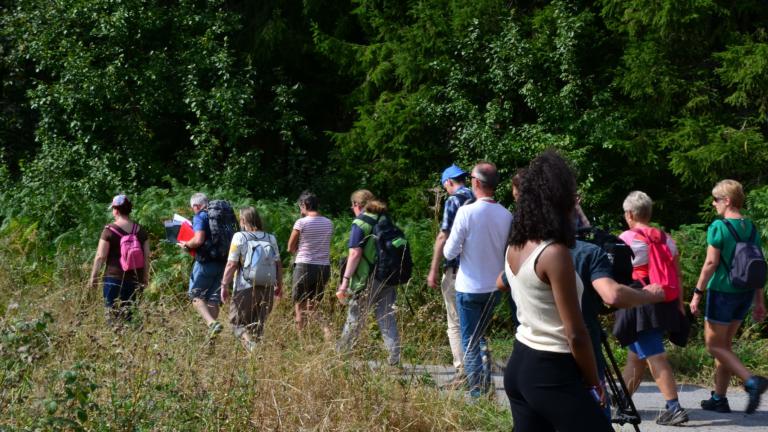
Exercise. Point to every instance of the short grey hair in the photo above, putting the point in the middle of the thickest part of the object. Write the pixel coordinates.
(639, 204)
(200, 199)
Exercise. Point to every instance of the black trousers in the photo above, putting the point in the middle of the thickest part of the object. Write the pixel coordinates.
(547, 393)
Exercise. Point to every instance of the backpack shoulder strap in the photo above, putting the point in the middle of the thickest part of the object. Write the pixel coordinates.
(752, 233)
(732, 230)
(367, 219)
(114, 230)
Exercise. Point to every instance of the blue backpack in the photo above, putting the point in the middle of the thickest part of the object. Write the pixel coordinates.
(748, 267)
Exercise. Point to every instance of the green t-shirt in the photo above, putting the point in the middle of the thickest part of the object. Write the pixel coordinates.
(719, 237)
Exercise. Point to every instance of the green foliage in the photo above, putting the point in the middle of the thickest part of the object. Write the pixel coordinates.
(73, 409)
(22, 345)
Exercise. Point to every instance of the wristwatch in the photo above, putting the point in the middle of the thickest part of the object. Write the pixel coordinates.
(698, 291)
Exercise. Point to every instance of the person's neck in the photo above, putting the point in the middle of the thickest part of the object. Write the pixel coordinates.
(732, 214)
(640, 225)
(482, 193)
(312, 213)
(122, 219)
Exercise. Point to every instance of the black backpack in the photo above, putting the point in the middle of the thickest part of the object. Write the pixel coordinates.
(748, 267)
(394, 264)
(223, 225)
(619, 253)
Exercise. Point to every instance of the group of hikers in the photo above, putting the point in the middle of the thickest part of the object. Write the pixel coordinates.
(558, 281)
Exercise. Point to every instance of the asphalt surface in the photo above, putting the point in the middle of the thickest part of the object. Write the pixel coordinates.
(648, 402)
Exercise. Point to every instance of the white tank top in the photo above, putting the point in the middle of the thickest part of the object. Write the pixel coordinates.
(540, 325)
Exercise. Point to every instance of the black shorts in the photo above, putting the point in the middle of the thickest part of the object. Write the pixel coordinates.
(309, 281)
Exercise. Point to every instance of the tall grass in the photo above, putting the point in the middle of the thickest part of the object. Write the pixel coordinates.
(65, 369)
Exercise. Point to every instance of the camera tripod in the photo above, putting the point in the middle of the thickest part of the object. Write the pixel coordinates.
(625, 409)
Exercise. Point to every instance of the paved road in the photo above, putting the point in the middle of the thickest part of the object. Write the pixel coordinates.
(649, 403)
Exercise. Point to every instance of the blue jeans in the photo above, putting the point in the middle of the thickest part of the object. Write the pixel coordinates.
(475, 312)
(119, 297)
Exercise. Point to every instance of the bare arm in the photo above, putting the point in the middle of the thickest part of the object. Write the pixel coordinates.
(557, 266)
(226, 280)
(707, 270)
(293, 241)
(353, 260)
(102, 250)
(621, 296)
(437, 257)
(195, 242)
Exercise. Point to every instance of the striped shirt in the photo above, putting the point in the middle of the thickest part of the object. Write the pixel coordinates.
(314, 240)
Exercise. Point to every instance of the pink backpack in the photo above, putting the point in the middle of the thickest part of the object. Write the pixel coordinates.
(661, 264)
(131, 251)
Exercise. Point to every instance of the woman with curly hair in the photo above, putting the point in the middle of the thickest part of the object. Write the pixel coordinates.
(551, 379)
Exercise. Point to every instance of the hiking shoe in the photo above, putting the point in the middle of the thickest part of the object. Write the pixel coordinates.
(214, 329)
(717, 405)
(754, 391)
(673, 417)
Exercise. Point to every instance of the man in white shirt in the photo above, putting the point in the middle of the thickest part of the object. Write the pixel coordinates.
(479, 235)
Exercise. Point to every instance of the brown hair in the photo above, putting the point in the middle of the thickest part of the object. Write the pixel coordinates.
(376, 206)
(361, 197)
(730, 189)
(249, 218)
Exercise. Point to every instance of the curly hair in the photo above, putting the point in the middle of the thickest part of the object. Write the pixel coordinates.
(308, 200)
(547, 199)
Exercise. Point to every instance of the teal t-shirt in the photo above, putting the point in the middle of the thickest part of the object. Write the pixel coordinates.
(719, 237)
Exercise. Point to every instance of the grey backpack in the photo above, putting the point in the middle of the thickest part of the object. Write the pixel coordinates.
(748, 267)
(260, 264)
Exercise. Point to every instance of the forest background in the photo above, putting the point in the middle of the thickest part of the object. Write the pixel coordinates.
(257, 101)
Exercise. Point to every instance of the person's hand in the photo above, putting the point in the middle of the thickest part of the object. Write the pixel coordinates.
(656, 290)
(183, 245)
(224, 294)
(695, 304)
(341, 294)
(93, 283)
(279, 292)
(758, 312)
(432, 279)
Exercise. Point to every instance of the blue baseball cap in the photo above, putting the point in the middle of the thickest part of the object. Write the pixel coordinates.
(452, 172)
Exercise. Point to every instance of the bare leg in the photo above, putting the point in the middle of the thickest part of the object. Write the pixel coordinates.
(633, 372)
(663, 375)
(205, 310)
(718, 339)
(298, 314)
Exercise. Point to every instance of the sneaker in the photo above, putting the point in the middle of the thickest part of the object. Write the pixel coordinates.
(672, 417)
(214, 329)
(717, 405)
(761, 384)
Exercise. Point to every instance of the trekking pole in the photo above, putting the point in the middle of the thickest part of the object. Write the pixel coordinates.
(626, 412)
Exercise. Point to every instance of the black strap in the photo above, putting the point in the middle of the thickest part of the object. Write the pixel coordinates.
(735, 235)
(732, 230)
(369, 220)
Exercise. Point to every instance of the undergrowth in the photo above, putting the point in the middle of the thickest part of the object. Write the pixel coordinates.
(63, 368)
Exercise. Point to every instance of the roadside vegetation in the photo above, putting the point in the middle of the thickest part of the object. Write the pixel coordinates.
(63, 368)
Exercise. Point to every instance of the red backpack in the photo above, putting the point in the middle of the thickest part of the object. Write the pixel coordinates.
(131, 251)
(661, 264)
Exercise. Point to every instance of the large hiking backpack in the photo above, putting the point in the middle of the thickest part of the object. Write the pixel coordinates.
(393, 264)
(223, 224)
(260, 263)
(661, 263)
(131, 250)
(619, 253)
(748, 267)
